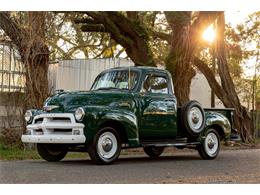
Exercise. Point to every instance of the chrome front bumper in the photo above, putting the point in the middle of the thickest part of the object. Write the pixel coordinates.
(56, 139)
(54, 128)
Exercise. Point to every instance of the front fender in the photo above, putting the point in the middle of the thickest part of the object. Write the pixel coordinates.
(98, 115)
(127, 119)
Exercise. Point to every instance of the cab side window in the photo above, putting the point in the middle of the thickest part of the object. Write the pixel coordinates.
(156, 84)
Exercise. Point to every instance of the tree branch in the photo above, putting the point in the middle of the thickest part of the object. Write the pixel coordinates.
(93, 28)
(161, 35)
(127, 32)
(110, 23)
(11, 28)
(84, 21)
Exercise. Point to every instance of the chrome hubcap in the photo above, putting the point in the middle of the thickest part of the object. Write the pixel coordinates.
(211, 144)
(195, 118)
(107, 145)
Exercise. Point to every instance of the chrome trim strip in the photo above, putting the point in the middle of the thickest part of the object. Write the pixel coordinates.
(159, 113)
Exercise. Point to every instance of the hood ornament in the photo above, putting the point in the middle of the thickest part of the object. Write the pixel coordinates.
(49, 108)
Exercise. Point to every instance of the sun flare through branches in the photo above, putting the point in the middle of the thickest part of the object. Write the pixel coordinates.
(209, 34)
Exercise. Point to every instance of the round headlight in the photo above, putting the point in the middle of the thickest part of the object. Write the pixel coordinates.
(79, 114)
(28, 116)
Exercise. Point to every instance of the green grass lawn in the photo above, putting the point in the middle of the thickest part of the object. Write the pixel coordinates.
(16, 153)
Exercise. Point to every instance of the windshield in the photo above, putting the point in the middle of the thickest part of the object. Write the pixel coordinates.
(115, 80)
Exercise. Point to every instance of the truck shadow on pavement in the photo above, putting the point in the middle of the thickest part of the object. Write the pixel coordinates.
(133, 160)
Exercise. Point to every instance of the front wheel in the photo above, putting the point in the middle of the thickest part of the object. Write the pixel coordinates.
(105, 147)
(153, 151)
(210, 147)
(52, 152)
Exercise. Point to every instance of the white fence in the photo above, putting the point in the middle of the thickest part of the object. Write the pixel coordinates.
(79, 74)
(12, 73)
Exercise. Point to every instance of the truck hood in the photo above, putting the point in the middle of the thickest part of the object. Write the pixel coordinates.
(69, 101)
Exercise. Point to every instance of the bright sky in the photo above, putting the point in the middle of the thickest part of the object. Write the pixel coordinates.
(236, 17)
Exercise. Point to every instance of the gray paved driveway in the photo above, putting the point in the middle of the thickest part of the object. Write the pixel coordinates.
(231, 166)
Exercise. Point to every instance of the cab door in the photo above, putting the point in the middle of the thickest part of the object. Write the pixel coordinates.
(158, 109)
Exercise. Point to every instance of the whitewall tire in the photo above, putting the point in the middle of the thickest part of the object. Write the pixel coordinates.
(105, 147)
(210, 146)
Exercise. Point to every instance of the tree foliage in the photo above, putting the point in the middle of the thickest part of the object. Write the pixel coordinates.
(67, 41)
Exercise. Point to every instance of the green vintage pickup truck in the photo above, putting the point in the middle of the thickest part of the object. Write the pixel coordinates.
(125, 108)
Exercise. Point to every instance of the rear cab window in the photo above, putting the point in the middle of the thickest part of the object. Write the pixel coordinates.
(156, 84)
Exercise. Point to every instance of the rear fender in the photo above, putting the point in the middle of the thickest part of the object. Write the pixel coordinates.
(220, 122)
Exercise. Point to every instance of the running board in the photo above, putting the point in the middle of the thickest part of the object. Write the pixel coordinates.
(170, 144)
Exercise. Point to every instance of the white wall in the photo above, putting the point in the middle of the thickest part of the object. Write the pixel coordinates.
(201, 91)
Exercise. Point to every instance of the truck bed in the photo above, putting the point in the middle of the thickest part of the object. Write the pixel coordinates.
(227, 112)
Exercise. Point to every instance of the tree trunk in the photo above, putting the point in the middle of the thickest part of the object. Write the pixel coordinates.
(185, 41)
(35, 59)
(179, 57)
(35, 56)
(182, 74)
(29, 41)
